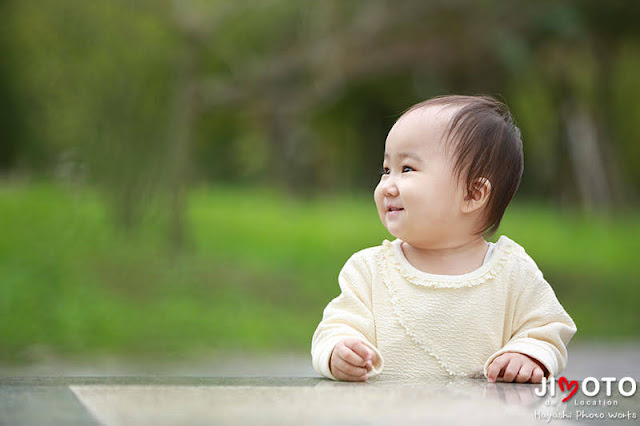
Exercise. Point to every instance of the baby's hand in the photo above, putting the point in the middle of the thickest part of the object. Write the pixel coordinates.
(513, 365)
(351, 359)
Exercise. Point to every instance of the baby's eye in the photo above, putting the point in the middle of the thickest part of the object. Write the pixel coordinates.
(385, 171)
(404, 169)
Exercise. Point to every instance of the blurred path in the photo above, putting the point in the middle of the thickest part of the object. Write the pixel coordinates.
(598, 359)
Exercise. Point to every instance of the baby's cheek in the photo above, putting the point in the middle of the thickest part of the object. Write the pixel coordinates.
(377, 194)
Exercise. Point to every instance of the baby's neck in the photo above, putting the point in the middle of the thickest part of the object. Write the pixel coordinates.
(453, 260)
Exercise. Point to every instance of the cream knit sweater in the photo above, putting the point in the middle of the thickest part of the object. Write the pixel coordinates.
(422, 325)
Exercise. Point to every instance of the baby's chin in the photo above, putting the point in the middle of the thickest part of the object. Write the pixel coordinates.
(405, 236)
(395, 232)
(395, 229)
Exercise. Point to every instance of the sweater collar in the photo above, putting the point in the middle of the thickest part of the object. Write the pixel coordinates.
(488, 270)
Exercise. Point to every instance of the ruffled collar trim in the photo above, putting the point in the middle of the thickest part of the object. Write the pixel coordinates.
(492, 267)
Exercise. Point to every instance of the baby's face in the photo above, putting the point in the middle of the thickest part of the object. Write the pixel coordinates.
(417, 179)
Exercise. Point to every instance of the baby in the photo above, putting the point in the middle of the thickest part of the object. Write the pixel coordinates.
(439, 300)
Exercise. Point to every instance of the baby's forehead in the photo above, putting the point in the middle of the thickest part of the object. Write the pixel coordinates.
(430, 115)
(426, 127)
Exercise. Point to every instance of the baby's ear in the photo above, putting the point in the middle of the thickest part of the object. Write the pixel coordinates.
(477, 196)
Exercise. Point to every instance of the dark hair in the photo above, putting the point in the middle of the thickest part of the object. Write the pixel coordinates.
(487, 144)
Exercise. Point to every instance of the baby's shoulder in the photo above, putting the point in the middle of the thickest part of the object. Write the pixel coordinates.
(367, 258)
(519, 258)
(372, 251)
(367, 255)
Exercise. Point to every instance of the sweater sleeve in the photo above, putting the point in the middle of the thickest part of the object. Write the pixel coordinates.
(541, 327)
(348, 315)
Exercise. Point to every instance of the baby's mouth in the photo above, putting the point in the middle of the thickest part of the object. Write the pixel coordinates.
(394, 209)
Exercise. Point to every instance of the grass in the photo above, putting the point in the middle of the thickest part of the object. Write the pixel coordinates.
(256, 273)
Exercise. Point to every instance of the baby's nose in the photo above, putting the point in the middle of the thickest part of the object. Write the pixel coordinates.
(389, 188)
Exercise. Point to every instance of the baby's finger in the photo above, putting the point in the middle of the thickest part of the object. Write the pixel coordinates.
(511, 370)
(350, 368)
(537, 375)
(374, 358)
(344, 377)
(361, 349)
(495, 368)
(348, 355)
(525, 373)
(344, 371)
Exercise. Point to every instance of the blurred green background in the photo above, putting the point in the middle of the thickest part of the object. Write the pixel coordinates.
(186, 177)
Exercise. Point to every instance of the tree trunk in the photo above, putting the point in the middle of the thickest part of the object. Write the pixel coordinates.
(586, 158)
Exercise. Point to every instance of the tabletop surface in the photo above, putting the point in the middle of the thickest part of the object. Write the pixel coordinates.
(286, 390)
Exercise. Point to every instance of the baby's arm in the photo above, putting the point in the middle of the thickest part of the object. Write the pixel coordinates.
(541, 331)
(349, 315)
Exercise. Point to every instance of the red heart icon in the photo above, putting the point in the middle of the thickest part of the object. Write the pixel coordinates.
(562, 381)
